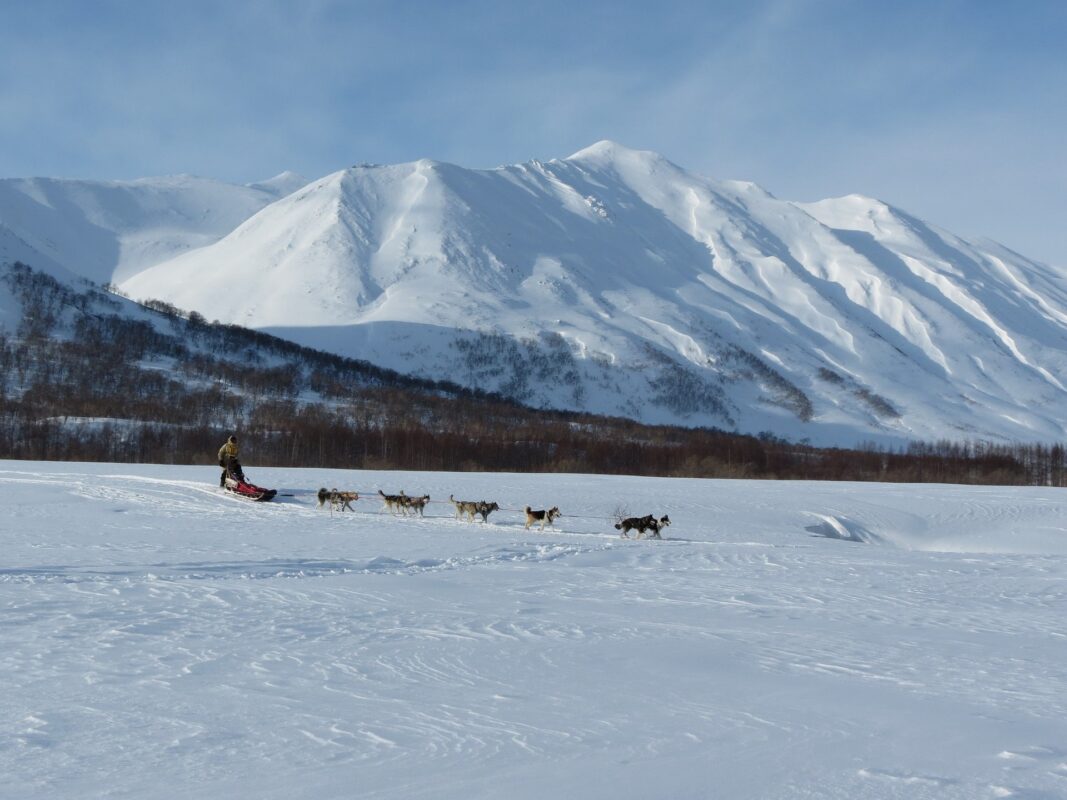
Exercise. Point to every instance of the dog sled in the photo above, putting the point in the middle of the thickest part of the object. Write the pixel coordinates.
(233, 479)
(249, 491)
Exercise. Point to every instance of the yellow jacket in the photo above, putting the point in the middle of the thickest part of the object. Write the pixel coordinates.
(226, 452)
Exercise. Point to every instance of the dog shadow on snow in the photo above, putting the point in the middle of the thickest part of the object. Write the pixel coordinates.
(846, 530)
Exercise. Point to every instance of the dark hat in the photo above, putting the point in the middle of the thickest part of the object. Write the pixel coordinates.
(233, 438)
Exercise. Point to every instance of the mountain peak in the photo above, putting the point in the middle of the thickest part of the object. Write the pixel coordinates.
(853, 212)
(607, 151)
(282, 184)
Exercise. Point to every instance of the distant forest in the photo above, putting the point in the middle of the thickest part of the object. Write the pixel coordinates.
(87, 376)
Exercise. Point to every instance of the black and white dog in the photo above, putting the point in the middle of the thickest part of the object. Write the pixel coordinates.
(642, 525)
(542, 516)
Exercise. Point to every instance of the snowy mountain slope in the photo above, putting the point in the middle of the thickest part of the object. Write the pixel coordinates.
(786, 640)
(617, 282)
(106, 231)
(14, 249)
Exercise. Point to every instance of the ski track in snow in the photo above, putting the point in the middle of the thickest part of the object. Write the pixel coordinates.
(163, 639)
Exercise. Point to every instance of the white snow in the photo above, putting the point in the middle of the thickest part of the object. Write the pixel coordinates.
(282, 184)
(107, 231)
(160, 639)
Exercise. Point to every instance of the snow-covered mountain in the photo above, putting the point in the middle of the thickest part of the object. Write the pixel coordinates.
(617, 282)
(107, 231)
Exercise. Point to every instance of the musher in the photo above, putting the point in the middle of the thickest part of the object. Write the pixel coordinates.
(228, 461)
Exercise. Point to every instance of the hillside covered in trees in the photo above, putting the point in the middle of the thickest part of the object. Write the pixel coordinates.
(88, 375)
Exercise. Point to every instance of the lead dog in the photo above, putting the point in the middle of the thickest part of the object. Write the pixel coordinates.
(339, 500)
(542, 516)
(643, 525)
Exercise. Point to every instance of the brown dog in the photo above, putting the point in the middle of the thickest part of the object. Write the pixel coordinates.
(464, 507)
(339, 501)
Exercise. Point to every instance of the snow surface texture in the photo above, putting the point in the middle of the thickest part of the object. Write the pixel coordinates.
(787, 640)
(611, 281)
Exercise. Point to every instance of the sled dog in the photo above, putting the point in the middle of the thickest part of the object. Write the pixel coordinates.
(468, 507)
(658, 525)
(542, 516)
(339, 500)
(415, 504)
(393, 502)
(485, 509)
(642, 525)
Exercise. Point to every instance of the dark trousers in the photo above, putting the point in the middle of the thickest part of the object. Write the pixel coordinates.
(233, 468)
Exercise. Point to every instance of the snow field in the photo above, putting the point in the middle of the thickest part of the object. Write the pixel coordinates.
(163, 639)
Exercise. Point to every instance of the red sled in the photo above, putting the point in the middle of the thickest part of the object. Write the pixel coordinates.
(249, 491)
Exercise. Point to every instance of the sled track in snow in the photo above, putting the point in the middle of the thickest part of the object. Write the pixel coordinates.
(287, 568)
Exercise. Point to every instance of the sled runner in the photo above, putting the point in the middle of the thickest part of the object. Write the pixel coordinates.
(250, 491)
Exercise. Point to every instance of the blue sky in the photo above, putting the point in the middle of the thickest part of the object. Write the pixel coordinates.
(955, 111)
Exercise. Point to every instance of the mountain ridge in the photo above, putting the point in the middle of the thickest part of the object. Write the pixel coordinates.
(617, 282)
(109, 230)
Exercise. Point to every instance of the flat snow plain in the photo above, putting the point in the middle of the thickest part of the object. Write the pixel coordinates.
(787, 640)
